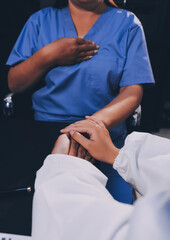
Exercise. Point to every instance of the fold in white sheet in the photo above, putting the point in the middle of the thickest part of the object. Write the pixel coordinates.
(71, 201)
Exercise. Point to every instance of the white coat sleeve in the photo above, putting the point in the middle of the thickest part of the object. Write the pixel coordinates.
(144, 162)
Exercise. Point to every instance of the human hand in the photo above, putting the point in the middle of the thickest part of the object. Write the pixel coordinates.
(78, 151)
(62, 145)
(99, 145)
(69, 51)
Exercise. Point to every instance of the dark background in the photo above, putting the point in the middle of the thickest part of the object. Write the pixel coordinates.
(25, 144)
(154, 16)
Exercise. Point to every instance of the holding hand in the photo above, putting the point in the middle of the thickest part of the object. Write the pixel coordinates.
(99, 145)
(64, 145)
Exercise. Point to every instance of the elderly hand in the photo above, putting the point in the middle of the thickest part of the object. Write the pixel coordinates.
(99, 145)
(64, 145)
(78, 151)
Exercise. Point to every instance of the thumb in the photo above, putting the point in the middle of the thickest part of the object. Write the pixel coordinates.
(84, 142)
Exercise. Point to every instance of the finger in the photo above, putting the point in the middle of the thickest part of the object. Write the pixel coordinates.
(81, 152)
(88, 47)
(84, 142)
(86, 126)
(68, 135)
(92, 160)
(81, 129)
(88, 156)
(79, 60)
(88, 53)
(84, 41)
(83, 124)
(79, 123)
(73, 148)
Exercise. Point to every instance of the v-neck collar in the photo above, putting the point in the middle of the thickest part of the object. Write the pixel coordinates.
(69, 27)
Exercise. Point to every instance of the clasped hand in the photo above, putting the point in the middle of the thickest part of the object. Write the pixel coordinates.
(99, 145)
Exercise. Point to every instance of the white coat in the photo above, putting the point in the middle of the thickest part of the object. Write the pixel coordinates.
(72, 203)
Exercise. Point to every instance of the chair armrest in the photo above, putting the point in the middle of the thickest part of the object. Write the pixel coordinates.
(8, 105)
(133, 123)
(135, 118)
(18, 106)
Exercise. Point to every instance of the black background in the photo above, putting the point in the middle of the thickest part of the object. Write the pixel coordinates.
(18, 165)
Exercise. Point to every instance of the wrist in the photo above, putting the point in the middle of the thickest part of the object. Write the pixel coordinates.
(113, 153)
(101, 115)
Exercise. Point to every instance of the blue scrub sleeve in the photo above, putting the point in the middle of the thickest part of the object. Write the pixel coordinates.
(26, 44)
(137, 69)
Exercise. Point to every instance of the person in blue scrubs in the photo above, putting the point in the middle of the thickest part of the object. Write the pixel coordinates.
(93, 60)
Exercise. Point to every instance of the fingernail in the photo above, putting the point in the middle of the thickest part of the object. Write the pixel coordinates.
(95, 51)
(97, 46)
(90, 57)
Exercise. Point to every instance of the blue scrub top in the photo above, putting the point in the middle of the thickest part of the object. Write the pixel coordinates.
(72, 92)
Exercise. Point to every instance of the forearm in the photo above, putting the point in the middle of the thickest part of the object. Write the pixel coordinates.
(28, 73)
(57, 53)
(121, 107)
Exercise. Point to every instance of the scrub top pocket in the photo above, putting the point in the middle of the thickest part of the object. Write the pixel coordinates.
(105, 74)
